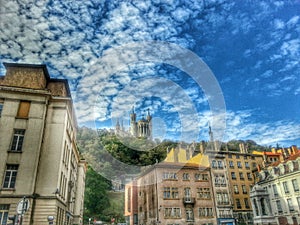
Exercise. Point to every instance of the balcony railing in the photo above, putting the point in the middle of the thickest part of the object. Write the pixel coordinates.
(188, 200)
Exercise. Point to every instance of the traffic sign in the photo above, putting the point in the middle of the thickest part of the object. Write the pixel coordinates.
(23, 206)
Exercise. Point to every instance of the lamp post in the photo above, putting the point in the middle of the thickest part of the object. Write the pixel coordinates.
(90, 220)
(50, 219)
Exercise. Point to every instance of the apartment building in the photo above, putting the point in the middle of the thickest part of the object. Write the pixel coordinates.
(221, 188)
(39, 159)
(239, 166)
(176, 191)
(276, 194)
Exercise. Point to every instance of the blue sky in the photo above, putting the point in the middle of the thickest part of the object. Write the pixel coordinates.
(252, 49)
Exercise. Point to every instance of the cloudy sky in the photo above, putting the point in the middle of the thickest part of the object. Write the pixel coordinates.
(231, 64)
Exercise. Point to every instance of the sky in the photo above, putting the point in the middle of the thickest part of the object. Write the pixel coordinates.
(231, 65)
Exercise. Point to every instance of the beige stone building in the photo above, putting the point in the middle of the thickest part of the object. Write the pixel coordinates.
(39, 159)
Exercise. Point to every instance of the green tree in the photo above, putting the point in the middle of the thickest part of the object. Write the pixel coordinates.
(96, 199)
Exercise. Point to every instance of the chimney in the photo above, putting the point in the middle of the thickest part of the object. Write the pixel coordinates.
(294, 149)
(176, 152)
(242, 148)
(201, 147)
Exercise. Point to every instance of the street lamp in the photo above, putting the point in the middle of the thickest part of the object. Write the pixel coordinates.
(90, 220)
(50, 219)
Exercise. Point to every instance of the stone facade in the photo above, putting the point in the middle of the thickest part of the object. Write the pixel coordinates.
(39, 158)
(276, 194)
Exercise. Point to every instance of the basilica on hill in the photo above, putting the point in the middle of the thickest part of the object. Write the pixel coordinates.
(139, 129)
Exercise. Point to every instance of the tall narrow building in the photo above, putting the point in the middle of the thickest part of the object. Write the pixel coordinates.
(39, 159)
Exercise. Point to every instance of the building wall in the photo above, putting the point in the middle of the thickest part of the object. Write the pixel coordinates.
(221, 187)
(155, 203)
(241, 164)
(281, 183)
(50, 171)
(131, 203)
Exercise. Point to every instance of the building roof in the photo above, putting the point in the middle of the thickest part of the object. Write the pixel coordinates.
(198, 160)
(290, 158)
(266, 153)
(181, 156)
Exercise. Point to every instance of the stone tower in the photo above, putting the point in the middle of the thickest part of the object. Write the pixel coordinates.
(141, 128)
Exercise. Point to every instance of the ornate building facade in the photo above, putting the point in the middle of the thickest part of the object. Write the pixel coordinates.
(276, 195)
(39, 158)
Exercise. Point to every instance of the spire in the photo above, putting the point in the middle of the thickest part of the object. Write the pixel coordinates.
(148, 115)
(211, 135)
(118, 125)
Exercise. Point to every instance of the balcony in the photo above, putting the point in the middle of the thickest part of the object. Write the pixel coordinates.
(188, 200)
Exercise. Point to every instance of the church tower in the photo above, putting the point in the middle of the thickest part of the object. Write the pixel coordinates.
(141, 128)
(133, 123)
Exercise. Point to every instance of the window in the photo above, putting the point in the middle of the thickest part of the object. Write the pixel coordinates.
(239, 165)
(203, 193)
(201, 177)
(233, 177)
(220, 165)
(4, 208)
(295, 185)
(246, 203)
(244, 188)
(231, 164)
(187, 192)
(237, 156)
(10, 176)
(279, 208)
(235, 189)
(185, 176)
(23, 110)
(220, 180)
(129, 202)
(169, 176)
(170, 192)
(229, 156)
(17, 141)
(1, 108)
(285, 187)
(275, 191)
(172, 213)
(189, 214)
(222, 198)
(214, 164)
(298, 201)
(290, 205)
(205, 212)
(247, 165)
(245, 157)
(238, 203)
(249, 177)
(241, 176)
